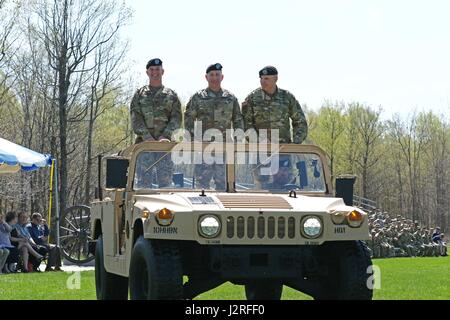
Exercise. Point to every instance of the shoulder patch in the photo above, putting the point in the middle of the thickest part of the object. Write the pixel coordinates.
(202, 93)
(140, 90)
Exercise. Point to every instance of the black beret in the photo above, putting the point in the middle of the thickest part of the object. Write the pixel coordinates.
(268, 71)
(154, 62)
(215, 66)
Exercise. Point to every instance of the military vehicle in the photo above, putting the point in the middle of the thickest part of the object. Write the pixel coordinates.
(276, 221)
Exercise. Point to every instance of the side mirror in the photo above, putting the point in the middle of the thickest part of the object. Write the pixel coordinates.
(116, 173)
(344, 188)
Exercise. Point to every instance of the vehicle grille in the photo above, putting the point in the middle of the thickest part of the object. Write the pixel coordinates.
(261, 227)
(266, 202)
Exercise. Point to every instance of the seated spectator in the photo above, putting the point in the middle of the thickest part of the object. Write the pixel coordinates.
(39, 232)
(438, 238)
(23, 238)
(5, 243)
(13, 257)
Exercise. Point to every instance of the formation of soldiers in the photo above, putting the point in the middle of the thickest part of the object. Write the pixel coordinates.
(400, 237)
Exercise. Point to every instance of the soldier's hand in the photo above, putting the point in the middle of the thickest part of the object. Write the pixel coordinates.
(162, 139)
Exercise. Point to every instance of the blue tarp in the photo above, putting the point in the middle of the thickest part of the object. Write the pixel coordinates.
(14, 156)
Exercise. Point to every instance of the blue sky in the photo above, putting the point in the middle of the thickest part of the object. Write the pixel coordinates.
(394, 54)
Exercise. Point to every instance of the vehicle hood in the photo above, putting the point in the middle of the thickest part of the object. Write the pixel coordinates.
(190, 202)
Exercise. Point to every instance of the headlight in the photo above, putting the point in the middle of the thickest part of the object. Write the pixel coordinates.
(338, 217)
(209, 226)
(312, 227)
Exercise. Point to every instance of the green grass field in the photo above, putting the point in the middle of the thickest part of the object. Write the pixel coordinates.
(401, 279)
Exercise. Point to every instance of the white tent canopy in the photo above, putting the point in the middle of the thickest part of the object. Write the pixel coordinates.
(14, 157)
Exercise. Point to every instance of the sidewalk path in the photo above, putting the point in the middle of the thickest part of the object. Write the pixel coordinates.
(73, 268)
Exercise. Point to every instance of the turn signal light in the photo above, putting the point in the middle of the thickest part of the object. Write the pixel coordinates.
(165, 217)
(355, 219)
(165, 214)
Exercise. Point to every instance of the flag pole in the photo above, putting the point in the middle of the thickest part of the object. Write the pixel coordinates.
(57, 204)
(51, 196)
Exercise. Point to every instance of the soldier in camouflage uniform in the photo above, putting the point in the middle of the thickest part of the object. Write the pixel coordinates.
(418, 244)
(383, 244)
(272, 108)
(155, 115)
(397, 246)
(377, 251)
(214, 108)
(390, 243)
(403, 240)
(426, 242)
(370, 243)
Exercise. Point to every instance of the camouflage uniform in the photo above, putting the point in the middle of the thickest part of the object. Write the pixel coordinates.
(418, 243)
(405, 243)
(155, 114)
(390, 243)
(216, 110)
(397, 247)
(428, 247)
(370, 243)
(387, 250)
(412, 243)
(377, 252)
(264, 111)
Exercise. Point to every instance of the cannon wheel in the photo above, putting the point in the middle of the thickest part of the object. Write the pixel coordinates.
(75, 234)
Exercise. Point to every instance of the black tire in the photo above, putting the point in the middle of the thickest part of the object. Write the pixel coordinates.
(108, 286)
(263, 290)
(348, 277)
(155, 271)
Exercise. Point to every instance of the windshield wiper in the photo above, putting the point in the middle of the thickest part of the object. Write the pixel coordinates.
(266, 162)
(156, 162)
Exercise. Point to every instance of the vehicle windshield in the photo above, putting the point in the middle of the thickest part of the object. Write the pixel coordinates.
(279, 172)
(195, 171)
(169, 170)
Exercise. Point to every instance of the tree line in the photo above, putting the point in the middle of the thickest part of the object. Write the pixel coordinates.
(62, 91)
(401, 163)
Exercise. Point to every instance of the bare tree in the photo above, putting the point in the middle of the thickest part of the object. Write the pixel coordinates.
(8, 15)
(437, 166)
(410, 141)
(72, 31)
(367, 130)
(105, 83)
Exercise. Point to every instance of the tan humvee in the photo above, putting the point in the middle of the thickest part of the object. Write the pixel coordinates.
(263, 230)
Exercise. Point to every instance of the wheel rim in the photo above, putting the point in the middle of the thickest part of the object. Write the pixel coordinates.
(75, 234)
